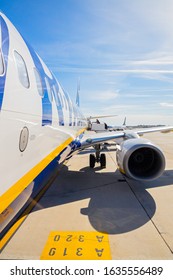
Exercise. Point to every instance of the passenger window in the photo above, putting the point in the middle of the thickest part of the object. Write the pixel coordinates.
(39, 82)
(49, 90)
(65, 102)
(22, 70)
(1, 64)
(61, 99)
(57, 100)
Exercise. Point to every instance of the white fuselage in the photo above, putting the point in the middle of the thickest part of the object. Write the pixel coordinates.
(38, 121)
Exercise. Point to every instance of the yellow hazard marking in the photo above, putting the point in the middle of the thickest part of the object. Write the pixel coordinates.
(80, 245)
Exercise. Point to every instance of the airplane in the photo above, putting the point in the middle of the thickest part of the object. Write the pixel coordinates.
(96, 125)
(118, 128)
(99, 126)
(40, 127)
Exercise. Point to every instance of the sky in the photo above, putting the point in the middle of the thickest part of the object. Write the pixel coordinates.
(120, 50)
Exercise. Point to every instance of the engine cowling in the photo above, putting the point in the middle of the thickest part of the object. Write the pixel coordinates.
(140, 159)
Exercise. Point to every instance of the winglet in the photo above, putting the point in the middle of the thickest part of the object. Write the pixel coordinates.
(77, 95)
(124, 123)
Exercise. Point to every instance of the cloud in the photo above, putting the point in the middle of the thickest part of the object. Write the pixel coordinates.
(112, 71)
(154, 62)
(120, 49)
(165, 104)
(135, 95)
(102, 96)
(157, 14)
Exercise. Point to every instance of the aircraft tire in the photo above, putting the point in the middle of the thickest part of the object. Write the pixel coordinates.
(103, 160)
(92, 160)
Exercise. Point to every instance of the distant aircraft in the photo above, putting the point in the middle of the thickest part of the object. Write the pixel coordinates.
(40, 127)
(118, 128)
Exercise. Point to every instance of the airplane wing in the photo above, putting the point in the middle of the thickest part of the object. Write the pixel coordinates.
(163, 129)
(98, 138)
(137, 157)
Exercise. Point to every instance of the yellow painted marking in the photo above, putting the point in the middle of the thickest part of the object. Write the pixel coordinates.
(80, 245)
(12, 193)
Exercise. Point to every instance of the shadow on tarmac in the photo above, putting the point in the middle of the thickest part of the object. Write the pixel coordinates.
(116, 205)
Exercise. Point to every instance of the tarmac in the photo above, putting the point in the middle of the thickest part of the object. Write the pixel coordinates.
(85, 208)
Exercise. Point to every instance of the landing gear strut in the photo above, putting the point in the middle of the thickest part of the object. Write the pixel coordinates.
(98, 157)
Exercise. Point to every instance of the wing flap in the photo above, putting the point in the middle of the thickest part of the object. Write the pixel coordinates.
(98, 138)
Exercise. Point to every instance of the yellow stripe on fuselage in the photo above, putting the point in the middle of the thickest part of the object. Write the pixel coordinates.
(24, 215)
(12, 193)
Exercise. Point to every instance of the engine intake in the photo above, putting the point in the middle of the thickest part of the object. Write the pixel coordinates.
(140, 159)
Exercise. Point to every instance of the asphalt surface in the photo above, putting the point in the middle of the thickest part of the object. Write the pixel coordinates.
(136, 216)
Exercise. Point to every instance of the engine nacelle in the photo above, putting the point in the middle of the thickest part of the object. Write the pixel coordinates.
(140, 159)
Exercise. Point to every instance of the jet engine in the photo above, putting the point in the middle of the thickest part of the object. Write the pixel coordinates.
(140, 159)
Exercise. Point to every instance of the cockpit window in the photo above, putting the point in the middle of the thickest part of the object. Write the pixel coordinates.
(1, 64)
(39, 82)
(22, 70)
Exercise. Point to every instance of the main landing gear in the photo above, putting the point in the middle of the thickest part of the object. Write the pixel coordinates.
(98, 157)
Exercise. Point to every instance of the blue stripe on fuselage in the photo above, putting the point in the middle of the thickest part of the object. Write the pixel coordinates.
(58, 102)
(5, 51)
(70, 107)
(46, 104)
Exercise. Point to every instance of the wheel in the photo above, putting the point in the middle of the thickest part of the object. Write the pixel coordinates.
(103, 161)
(92, 160)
